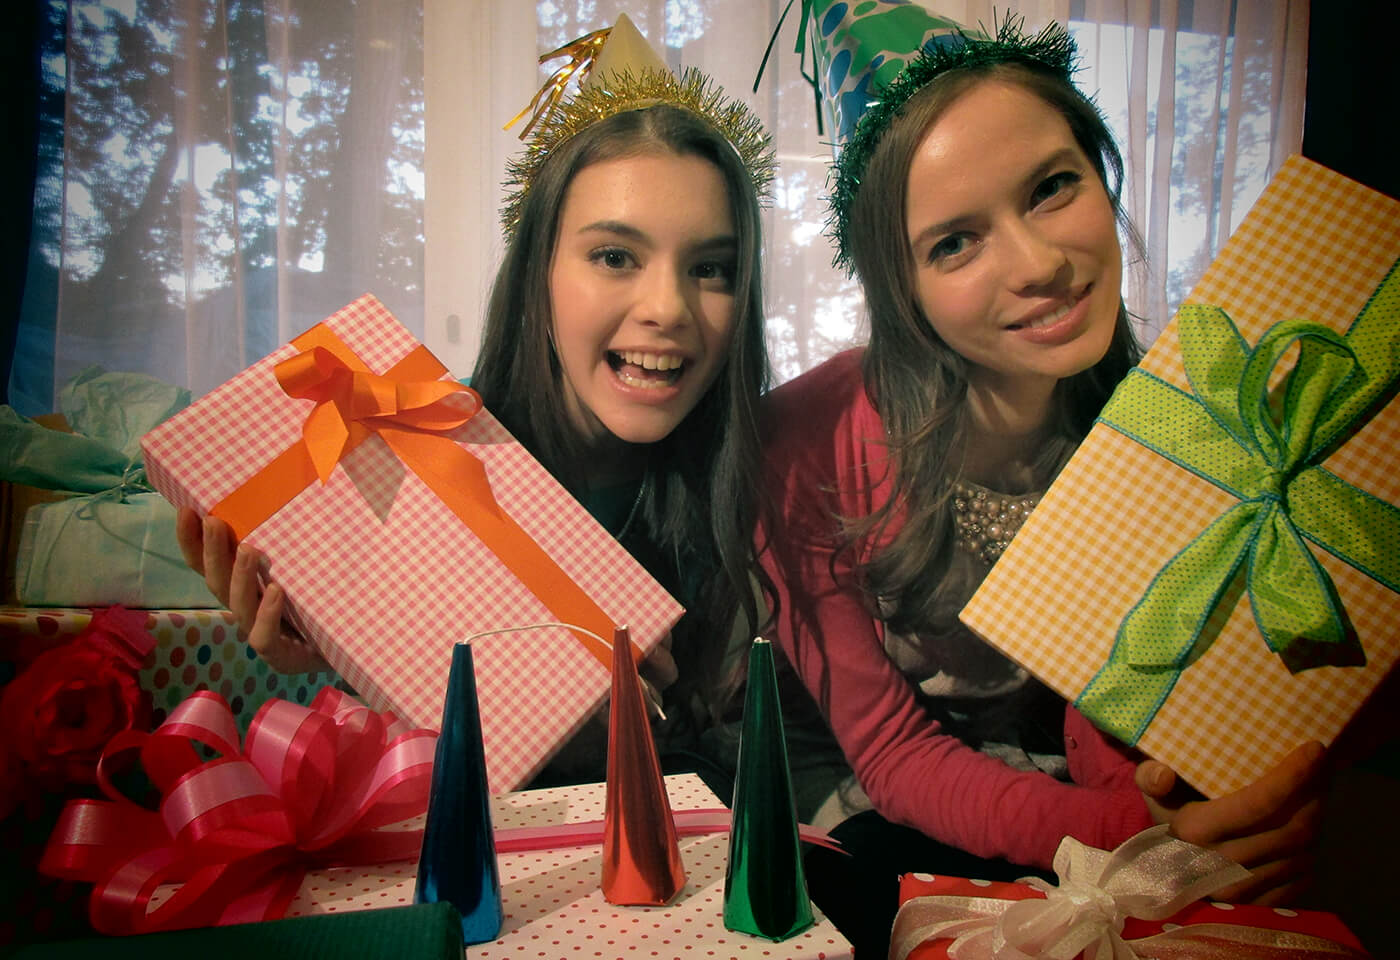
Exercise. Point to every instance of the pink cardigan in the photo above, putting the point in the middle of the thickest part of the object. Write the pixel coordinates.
(826, 456)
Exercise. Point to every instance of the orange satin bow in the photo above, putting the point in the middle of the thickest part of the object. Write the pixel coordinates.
(409, 408)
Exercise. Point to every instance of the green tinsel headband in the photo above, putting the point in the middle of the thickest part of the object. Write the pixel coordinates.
(1050, 50)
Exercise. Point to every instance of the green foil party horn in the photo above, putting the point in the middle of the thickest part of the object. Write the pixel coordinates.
(765, 890)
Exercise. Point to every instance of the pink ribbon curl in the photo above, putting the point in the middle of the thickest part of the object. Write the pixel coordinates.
(589, 833)
(311, 787)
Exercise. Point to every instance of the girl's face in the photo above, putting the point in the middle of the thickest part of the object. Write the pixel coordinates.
(642, 290)
(1017, 261)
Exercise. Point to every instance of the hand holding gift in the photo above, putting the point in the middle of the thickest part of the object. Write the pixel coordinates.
(1269, 826)
(231, 572)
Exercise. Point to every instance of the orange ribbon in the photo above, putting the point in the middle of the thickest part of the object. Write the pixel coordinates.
(408, 407)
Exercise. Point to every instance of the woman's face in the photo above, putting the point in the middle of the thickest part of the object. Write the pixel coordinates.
(1017, 262)
(642, 291)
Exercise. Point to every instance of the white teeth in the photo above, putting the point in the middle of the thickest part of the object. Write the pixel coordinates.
(639, 382)
(651, 361)
(1054, 315)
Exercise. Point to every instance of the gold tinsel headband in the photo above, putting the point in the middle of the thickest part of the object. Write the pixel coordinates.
(620, 92)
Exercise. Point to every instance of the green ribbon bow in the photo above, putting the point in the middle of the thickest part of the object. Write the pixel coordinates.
(1227, 432)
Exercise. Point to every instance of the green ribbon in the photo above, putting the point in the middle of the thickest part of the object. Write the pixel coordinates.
(1230, 432)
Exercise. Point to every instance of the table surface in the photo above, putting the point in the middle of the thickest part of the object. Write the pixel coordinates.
(554, 906)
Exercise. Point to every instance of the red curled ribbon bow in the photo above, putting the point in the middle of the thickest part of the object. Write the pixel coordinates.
(310, 788)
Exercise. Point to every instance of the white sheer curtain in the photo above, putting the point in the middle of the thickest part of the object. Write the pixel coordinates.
(1229, 73)
(216, 176)
(231, 171)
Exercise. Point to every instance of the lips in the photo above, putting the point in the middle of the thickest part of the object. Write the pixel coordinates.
(1052, 317)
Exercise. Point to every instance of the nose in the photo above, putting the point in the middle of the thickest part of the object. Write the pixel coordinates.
(663, 299)
(1034, 259)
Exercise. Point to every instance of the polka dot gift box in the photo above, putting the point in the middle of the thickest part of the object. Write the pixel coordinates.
(553, 901)
(194, 650)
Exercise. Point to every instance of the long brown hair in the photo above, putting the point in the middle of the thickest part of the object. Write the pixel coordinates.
(696, 514)
(918, 383)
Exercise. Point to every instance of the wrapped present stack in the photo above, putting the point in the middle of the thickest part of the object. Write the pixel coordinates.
(1233, 514)
(399, 517)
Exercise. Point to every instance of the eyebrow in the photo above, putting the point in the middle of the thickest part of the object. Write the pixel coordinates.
(1061, 157)
(723, 241)
(613, 226)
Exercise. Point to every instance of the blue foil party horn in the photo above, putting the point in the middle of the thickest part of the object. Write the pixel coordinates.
(765, 888)
(458, 861)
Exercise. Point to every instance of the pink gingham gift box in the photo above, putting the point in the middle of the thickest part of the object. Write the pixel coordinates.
(383, 577)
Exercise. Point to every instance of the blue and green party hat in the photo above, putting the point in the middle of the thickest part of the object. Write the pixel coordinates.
(870, 57)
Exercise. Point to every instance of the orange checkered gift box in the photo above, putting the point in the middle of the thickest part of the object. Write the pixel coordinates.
(1214, 574)
(400, 517)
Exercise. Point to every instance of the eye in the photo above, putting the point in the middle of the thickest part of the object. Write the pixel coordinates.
(1056, 186)
(612, 258)
(711, 269)
(715, 272)
(949, 247)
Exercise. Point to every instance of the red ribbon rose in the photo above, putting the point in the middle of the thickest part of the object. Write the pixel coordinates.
(64, 706)
(310, 788)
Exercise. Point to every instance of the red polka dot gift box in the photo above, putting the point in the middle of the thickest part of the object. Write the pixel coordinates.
(400, 517)
(1147, 898)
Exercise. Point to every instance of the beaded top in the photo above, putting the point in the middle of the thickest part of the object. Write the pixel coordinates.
(984, 521)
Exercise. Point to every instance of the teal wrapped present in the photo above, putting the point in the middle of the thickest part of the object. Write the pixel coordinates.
(430, 932)
(110, 539)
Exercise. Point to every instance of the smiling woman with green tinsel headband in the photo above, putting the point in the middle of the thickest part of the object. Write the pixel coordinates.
(976, 199)
(623, 347)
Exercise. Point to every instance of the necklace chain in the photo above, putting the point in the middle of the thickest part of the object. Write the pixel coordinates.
(632, 511)
(984, 521)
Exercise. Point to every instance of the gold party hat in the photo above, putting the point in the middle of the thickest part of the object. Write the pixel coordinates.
(617, 70)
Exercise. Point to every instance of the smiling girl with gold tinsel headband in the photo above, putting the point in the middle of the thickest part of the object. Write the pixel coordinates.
(624, 348)
(976, 198)
(624, 342)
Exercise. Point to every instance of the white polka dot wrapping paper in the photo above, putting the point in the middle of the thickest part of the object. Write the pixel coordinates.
(1315, 247)
(1275, 931)
(554, 906)
(383, 577)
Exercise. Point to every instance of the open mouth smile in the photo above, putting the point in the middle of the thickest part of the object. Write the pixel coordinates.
(637, 368)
